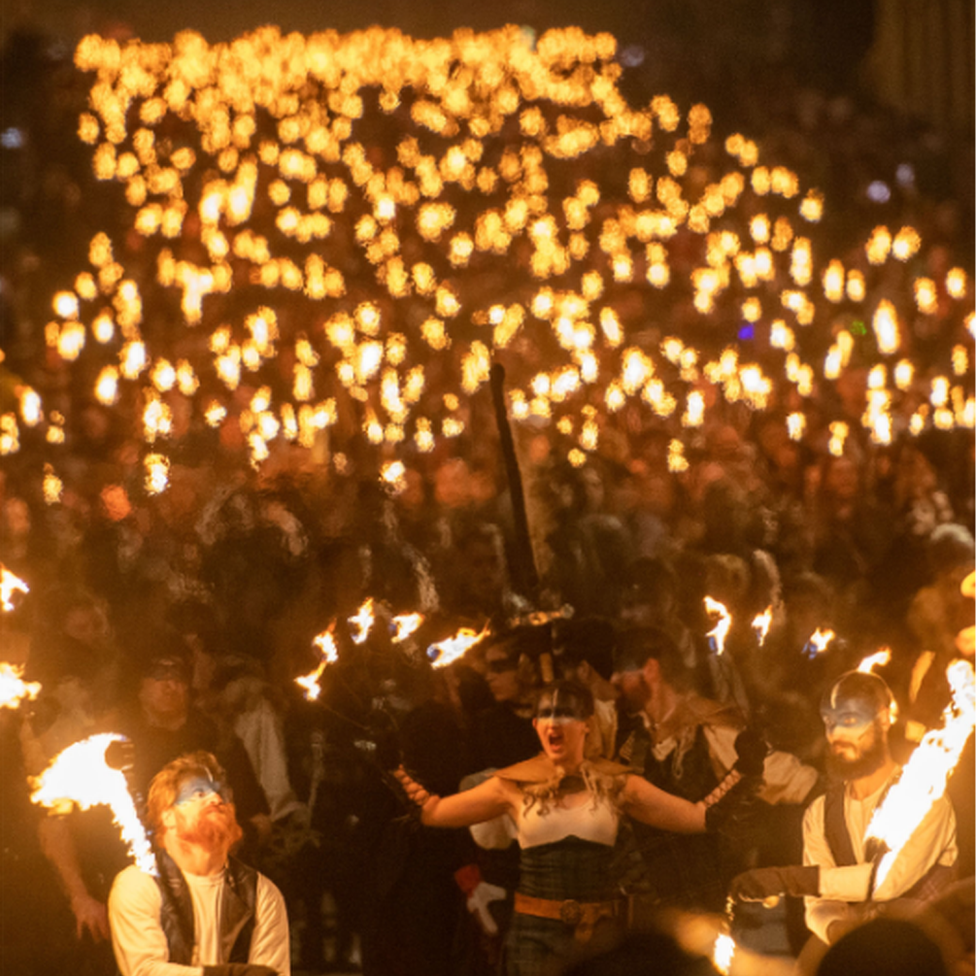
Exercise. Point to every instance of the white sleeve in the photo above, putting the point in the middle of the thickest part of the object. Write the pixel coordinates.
(820, 912)
(785, 778)
(269, 940)
(137, 936)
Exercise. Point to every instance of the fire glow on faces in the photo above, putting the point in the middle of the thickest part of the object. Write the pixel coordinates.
(560, 723)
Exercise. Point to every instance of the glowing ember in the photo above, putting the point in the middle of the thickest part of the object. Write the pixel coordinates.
(760, 624)
(325, 642)
(716, 636)
(361, 623)
(923, 778)
(723, 952)
(10, 584)
(450, 650)
(405, 625)
(80, 776)
(13, 689)
(818, 642)
(879, 659)
(539, 617)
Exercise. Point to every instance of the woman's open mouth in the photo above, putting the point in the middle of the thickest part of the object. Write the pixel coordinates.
(556, 739)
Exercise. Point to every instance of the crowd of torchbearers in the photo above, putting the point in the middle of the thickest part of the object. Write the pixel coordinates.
(705, 734)
(616, 718)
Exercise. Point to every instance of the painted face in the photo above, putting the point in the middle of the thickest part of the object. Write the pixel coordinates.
(561, 707)
(560, 723)
(203, 815)
(847, 718)
(200, 788)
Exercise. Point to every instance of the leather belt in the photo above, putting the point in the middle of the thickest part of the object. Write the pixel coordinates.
(581, 915)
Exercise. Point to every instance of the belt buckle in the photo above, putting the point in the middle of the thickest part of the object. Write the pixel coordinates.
(570, 912)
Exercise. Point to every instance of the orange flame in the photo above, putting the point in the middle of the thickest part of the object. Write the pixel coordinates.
(760, 624)
(12, 688)
(10, 584)
(818, 642)
(362, 622)
(879, 659)
(923, 778)
(325, 642)
(720, 631)
(452, 648)
(80, 776)
(723, 952)
(405, 625)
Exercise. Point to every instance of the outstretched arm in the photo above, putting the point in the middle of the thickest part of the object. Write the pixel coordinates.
(654, 806)
(483, 802)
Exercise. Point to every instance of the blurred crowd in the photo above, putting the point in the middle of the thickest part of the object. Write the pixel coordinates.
(193, 612)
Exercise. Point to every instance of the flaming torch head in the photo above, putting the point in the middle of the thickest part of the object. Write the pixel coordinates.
(13, 689)
(879, 659)
(404, 625)
(9, 585)
(716, 636)
(361, 623)
(722, 953)
(81, 776)
(818, 642)
(453, 648)
(761, 623)
(325, 642)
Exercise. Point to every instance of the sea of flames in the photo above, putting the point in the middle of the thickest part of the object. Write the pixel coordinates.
(80, 777)
(254, 150)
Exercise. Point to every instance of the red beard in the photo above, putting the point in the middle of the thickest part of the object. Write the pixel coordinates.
(215, 828)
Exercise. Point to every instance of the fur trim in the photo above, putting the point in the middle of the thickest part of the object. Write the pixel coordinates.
(540, 778)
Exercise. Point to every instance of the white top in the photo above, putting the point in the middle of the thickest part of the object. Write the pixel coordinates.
(134, 906)
(933, 842)
(575, 815)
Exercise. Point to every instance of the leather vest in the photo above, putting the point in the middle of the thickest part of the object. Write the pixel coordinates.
(237, 911)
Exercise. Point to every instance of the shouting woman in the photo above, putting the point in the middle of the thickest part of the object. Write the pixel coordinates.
(567, 810)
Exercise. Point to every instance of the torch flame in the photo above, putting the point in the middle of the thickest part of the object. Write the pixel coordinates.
(10, 584)
(449, 650)
(818, 642)
(923, 778)
(13, 689)
(325, 642)
(719, 632)
(761, 622)
(723, 952)
(362, 622)
(879, 659)
(405, 625)
(80, 776)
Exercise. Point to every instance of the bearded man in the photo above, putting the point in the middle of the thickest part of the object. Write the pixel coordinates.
(204, 913)
(837, 878)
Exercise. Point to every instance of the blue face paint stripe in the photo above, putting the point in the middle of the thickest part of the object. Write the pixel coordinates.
(198, 786)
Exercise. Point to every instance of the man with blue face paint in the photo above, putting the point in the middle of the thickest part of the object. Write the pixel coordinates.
(205, 913)
(837, 879)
